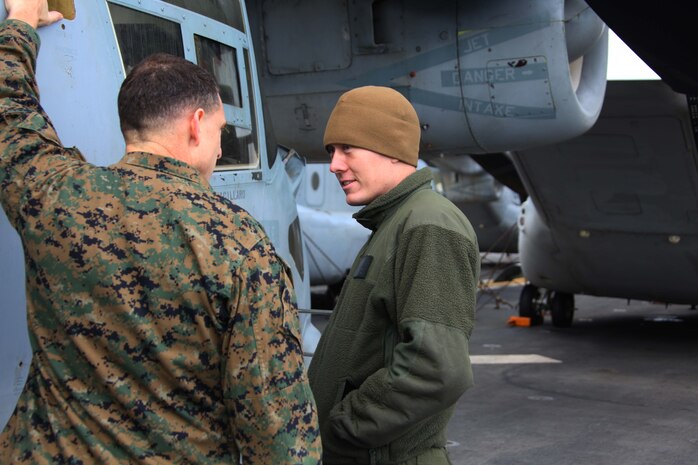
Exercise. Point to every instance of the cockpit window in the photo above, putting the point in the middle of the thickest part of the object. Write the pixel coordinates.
(222, 50)
(141, 34)
(238, 143)
(220, 60)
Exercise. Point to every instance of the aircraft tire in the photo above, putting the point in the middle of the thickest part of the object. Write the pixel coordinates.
(529, 306)
(562, 309)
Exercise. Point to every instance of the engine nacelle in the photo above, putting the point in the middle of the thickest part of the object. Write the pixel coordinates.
(484, 76)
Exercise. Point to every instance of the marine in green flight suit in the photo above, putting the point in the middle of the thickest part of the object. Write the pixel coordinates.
(393, 359)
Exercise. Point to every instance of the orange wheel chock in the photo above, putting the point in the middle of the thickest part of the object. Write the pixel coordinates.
(519, 321)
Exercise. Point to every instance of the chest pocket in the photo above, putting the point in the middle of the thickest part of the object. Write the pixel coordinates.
(361, 270)
(353, 310)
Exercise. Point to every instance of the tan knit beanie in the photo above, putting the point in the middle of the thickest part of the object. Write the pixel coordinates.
(379, 119)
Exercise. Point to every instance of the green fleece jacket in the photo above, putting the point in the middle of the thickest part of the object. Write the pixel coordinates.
(393, 359)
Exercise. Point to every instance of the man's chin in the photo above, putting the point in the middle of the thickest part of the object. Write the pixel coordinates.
(353, 201)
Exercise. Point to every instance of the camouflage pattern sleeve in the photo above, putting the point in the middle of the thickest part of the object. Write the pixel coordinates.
(30, 150)
(265, 385)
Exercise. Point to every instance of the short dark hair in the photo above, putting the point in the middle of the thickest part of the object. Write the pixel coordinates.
(160, 88)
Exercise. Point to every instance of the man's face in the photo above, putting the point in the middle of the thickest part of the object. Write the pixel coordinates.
(362, 174)
(212, 125)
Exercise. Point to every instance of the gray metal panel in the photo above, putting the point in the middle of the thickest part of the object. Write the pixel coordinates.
(377, 26)
(320, 43)
(634, 171)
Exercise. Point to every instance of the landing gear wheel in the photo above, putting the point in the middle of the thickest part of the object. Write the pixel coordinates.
(562, 309)
(529, 304)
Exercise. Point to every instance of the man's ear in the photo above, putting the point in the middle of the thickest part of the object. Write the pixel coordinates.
(195, 125)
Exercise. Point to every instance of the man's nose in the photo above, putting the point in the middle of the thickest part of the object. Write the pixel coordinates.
(337, 164)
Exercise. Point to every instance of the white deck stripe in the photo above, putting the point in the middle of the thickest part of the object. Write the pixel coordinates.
(510, 359)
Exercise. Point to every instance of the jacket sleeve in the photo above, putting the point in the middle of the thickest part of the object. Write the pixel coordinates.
(272, 412)
(31, 154)
(436, 272)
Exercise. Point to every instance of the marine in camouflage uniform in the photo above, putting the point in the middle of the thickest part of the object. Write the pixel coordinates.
(163, 325)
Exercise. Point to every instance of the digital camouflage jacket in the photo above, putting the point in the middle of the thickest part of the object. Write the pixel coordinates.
(163, 325)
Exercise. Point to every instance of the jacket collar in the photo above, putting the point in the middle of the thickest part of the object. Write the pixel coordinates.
(164, 164)
(373, 214)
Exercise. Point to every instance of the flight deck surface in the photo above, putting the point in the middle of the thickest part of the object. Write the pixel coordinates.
(616, 388)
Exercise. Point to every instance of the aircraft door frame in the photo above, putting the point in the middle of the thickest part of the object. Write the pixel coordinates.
(194, 24)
